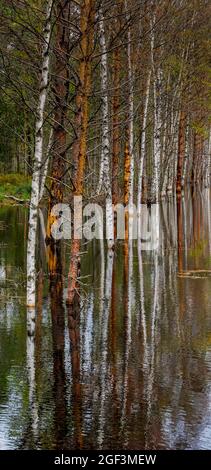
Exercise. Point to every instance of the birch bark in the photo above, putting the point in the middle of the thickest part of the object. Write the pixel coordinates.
(38, 154)
(143, 143)
(105, 135)
(181, 153)
(157, 136)
(157, 120)
(129, 154)
(44, 171)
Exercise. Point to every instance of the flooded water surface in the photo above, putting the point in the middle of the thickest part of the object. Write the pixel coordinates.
(130, 369)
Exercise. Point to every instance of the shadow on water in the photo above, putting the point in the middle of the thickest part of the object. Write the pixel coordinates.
(126, 366)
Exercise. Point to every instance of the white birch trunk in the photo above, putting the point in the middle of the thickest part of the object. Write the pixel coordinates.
(165, 183)
(157, 121)
(102, 279)
(165, 153)
(44, 172)
(104, 345)
(35, 189)
(209, 150)
(152, 349)
(31, 369)
(187, 151)
(101, 173)
(175, 123)
(131, 136)
(173, 161)
(208, 170)
(169, 172)
(209, 218)
(143, 312)
(185, 232)
(131, 127)
(128, 341)
(157, 136)
(143, 145)
(105, 135)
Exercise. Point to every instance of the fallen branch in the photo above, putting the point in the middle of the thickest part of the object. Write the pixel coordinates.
(16, 199)
(193, 273)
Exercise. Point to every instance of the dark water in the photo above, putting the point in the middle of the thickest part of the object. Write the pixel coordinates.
(133, 369)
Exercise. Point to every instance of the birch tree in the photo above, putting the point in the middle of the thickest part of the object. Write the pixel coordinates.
(106, 171)
(38, 157)
(143, 143)
(129, 144)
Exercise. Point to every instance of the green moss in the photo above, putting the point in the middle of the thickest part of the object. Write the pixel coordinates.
(14, 185)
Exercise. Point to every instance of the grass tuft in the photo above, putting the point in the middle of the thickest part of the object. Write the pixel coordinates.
(14, 185)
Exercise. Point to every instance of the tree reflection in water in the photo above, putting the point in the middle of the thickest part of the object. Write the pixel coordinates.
(128, 364)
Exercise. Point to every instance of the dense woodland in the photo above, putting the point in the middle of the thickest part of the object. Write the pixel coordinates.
(105, 343)
(105, 99)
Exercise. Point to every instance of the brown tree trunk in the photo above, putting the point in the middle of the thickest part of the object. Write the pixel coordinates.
(199, 172)
(179, 235)
(82, 115)
(144, 188)
(61, 92)
(116, 146)
(58, 342)
(181, 153)
(74, 335)
(196, 143)
(116, 106)
(126, 181)
(83, 89)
